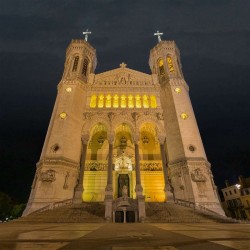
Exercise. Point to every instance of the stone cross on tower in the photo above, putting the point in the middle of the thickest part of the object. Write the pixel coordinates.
(86, 33)
(159, 35)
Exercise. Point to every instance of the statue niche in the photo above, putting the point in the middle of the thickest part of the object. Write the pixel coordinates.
(123, 185)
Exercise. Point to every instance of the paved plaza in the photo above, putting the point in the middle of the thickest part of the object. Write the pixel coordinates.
(135, 236)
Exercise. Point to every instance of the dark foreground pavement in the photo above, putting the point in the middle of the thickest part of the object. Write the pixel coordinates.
(70, 236)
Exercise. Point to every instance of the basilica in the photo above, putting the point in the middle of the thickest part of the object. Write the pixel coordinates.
(123, 137)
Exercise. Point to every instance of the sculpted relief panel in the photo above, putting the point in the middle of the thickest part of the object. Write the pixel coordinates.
(198, 176)
(48, 175)
(123, 77)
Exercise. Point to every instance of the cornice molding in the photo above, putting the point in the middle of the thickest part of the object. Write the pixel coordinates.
(55, 161)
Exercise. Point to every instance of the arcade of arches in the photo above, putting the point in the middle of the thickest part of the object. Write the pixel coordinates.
(123, 101)
(119, 152)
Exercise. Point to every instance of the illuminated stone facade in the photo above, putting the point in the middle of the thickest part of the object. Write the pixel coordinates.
(123, 130)
(237, 199)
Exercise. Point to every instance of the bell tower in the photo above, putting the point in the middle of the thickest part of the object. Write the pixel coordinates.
(80, 61)
(188, 168)
(57, 172)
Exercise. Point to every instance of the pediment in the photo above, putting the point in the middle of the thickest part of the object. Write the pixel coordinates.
(124, 77)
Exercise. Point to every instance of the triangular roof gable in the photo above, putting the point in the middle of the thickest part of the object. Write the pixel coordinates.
(123, 76)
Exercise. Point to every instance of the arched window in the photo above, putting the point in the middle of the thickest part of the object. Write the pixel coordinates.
(116, 101)
(131, 101)
(93, 101)
(85, 66)
(108, 101)
(101, 101)
(75, 64)
(138, 101)
(153, 103)
(170, 63)
(161, 67)
(145, 101)
(123, 101)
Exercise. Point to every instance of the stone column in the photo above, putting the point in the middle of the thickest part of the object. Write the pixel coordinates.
(168, 188)
(109, 188)
(138, 188)
(110, 166)
(79, 187)
(124, 215)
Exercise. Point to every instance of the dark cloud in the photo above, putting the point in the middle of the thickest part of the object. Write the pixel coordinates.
(213, 37)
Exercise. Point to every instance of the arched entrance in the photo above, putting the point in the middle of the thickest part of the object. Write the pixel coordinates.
(95, 169)
(125, 210)
(151, 164)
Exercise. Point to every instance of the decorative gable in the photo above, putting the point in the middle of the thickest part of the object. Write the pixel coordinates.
(123, 77)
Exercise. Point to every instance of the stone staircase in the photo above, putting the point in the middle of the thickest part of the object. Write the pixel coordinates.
(91, 212)
(175, 213)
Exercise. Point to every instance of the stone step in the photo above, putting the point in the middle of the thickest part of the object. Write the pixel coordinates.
(175, 213)
(94, 212)
(85, 212)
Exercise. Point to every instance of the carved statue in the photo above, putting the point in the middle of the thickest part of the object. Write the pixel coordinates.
(124, 191)
(48, 175)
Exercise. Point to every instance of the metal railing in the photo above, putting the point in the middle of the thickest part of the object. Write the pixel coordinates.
(195, 206)
(54, 205)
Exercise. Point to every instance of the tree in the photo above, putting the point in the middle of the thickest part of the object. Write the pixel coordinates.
(5, 206)
(17, 210)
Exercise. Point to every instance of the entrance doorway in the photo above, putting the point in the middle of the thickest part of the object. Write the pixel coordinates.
(130, 216)
(123, 180)
(119, 216)
(124, 216)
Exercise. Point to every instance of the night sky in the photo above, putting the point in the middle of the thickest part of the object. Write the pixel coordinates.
(214, 40)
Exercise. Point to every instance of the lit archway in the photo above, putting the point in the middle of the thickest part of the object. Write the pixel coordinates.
(95, 169)
(151, 164)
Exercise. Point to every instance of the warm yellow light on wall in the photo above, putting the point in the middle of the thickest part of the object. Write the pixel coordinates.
(184, 116)
(63, 115)
(100, 101)
(130, 101)
(137, 101)
(170, 64)
(108, 101)
(145, 101)
(178, 90)
(116, 101)
(160, 63)
(153, 102)
(161, 67)
(69, 89)
(123, 101)
(93, 101)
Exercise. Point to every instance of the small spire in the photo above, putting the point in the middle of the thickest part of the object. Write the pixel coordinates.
(86, 33)
(158, 34)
